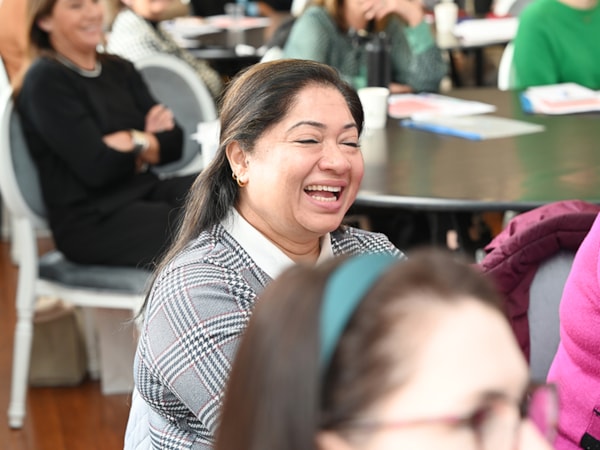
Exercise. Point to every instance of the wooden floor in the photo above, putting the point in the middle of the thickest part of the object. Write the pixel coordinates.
(73, 418)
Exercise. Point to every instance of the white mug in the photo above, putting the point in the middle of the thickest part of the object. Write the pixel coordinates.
(375, 106)
(446, 15)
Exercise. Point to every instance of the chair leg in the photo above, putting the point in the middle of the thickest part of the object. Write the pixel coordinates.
(91, 342)
(15, 238)
(24, 328)
(5, 222)
(20, 370)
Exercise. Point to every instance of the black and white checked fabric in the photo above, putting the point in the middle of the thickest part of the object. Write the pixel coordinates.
(197, 310)
(133, 38)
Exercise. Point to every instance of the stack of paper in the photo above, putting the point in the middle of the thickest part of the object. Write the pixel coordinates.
(485, 31)
(474, 127)
(189, 27)
(563, 98)
(226, 22)
(419, 106)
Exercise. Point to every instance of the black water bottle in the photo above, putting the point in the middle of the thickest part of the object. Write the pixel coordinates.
(379, 71)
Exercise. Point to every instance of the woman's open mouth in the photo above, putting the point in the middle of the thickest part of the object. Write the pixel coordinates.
(324, 193)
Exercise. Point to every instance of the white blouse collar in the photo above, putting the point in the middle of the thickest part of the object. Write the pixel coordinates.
(266, 254)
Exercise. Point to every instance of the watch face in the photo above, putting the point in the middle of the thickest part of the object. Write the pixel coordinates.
(140, 142)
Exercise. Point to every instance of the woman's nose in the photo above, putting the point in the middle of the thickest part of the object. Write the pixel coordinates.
(94, 8)
(335, 158)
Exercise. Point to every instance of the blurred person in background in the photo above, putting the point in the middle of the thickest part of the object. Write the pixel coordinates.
(335, 33)
(136, 34)
(94, 132)
(557, 42)
(374, 354)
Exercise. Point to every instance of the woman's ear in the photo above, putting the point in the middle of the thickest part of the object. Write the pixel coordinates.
(237, 158)
(329, 440)
(45, 23)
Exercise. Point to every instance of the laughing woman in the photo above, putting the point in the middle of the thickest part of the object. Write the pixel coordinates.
(95, 132)
(287, 169)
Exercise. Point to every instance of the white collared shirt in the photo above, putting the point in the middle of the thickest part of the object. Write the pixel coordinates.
(265, 253)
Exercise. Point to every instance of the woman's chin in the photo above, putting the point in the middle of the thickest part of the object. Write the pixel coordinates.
(323, 225)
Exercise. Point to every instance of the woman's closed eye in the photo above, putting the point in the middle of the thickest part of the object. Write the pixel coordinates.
(76, 4)
(307, 141)
(353, 144)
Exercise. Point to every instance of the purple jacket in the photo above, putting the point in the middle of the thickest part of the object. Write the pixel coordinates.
(529, 239)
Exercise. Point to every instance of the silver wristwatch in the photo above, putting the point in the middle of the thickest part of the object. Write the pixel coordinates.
(140, 142)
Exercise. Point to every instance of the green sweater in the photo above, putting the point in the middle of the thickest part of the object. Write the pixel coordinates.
(556, 43)
(416, 60)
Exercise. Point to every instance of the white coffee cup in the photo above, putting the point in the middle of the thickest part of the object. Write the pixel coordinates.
(375, 106)
(446, 15)
(235, 11)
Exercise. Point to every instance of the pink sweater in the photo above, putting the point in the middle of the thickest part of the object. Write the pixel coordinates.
(576, 366)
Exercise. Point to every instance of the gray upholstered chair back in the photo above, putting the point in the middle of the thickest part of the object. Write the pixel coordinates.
(545, 294)
(176, 85)
(20, 184)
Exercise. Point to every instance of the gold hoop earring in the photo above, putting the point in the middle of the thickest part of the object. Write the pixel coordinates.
(239, 182)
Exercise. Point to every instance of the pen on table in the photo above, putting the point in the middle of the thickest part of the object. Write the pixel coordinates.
(440, 129)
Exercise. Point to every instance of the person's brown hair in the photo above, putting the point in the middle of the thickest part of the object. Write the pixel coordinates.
(38, 41)
(388, 326)
(278, 395)
(38, 38)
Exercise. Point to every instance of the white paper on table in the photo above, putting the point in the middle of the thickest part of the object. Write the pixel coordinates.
(476, 127)
(483, 31)
(502, 7)
(423, 105)
(225, 22)
(562, 98)
(189, 27)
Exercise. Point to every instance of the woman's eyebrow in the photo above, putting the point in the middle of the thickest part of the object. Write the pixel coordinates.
(491, 395)
(319, 125)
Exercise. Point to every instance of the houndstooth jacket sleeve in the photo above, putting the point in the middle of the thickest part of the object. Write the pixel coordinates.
(197, 310)
(134, 38)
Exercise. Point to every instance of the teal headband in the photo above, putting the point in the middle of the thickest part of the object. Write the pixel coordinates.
(343, 293)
